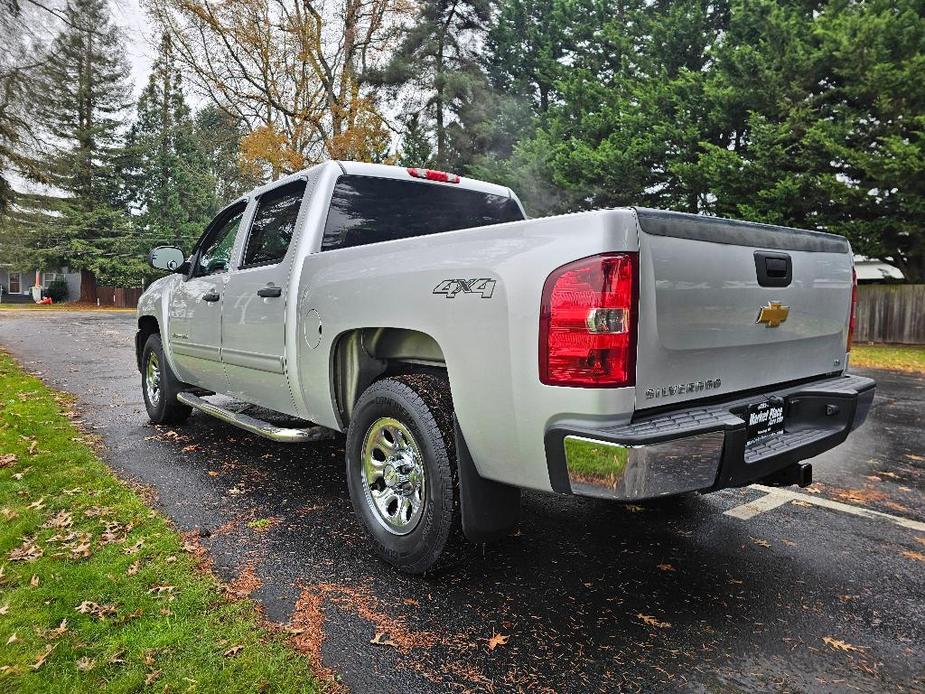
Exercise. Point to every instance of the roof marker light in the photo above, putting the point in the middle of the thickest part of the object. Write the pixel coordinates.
(432, 175)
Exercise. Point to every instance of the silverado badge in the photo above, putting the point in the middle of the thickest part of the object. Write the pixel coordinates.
(773, 314)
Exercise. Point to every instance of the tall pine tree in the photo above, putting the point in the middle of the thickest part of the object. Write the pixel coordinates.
(219, 139)
(438, 59)
(171, 184)
(83, 96)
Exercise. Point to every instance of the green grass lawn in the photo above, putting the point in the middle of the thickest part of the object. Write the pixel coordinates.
(896, 357)
(97, 591)
(66, 306)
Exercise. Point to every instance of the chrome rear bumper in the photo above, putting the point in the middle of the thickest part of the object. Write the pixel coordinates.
(625, 472)
(702, 448)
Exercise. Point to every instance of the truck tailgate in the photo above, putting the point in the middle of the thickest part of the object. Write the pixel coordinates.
(700, 300)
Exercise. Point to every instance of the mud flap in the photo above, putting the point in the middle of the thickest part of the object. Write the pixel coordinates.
(489, 509)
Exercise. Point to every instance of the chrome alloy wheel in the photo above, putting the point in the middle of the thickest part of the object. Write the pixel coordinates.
(393, 475)
(153, 379)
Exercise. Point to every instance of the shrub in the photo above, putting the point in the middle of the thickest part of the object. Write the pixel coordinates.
(57, 290)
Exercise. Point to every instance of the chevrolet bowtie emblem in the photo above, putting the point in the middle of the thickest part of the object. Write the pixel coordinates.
(773, 314)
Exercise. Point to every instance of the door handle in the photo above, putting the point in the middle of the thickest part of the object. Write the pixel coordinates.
(211, 296)
(269, 292)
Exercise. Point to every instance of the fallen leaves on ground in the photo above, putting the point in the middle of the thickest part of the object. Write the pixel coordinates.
(152, 677)
(97, 511)
(12, 639)
(912, 554)
(28, 551)
(861, 496)
(37, 505)
(85, 664)
(61, 520)
(8, 460)
(134, 549)
(79, 547)
(246, 583)
(666, 567)
(233, 651)
(56, 633)
(380, 640)
(43, 656)
(114, 532)
(761, 543)
(95, 610)
(840, 645)
(497, 640)
(160, 591)
(652, 621)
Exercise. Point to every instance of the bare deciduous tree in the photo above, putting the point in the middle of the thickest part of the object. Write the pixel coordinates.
(292, 69)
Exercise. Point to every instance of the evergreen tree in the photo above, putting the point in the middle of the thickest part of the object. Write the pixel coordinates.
(82, 95)
(828, 100)
(416, 149)
(526, 44)
(438, 58)
(219, 139)
(172, 187)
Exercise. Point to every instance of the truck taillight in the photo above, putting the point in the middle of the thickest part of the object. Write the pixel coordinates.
(588, 320)
(854, 308)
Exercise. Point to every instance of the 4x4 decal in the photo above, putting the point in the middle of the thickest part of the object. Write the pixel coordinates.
(484, 286)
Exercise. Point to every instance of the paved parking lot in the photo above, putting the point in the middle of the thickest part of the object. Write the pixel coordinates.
(821, 589)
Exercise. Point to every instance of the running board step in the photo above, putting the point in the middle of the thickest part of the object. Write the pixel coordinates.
(254, 425)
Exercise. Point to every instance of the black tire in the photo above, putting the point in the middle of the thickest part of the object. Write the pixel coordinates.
(422, 403)
(164, 409)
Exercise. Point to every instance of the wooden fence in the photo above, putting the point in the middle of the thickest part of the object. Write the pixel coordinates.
(105, 295)
(891, 313)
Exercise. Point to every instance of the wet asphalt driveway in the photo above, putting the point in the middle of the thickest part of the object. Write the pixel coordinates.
(585, 596)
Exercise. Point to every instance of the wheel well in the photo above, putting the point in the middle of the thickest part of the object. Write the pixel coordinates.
(147, 326)
(364, 355)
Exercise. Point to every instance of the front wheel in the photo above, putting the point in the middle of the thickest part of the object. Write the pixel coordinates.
(401, 469)
(160, 386)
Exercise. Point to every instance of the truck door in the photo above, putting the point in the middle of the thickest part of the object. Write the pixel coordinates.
(253, 325)
(196, 305)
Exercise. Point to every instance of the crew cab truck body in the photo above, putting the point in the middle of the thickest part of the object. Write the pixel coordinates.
(469, 352)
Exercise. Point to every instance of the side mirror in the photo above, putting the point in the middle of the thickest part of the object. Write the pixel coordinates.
(167, 258)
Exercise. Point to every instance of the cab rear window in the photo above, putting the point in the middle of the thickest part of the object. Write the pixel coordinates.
(366, 209)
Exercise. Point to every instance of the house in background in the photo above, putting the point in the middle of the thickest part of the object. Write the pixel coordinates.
(17, 283)
(871, 271)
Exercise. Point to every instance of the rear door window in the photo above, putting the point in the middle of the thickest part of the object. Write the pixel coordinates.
(274, 225)
(367, 209)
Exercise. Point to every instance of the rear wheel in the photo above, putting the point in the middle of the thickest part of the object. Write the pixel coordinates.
(160, 386)
(401, 469)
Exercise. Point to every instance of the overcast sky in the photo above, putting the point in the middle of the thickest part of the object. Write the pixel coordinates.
(140, 39)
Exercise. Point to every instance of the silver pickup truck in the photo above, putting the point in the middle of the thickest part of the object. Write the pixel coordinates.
(469, 352)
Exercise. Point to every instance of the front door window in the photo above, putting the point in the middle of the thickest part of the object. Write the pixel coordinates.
(15, 283)
(218, 241)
